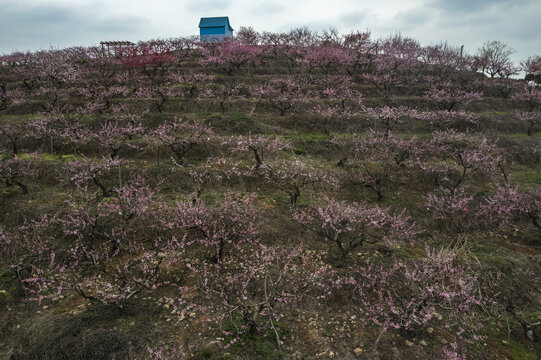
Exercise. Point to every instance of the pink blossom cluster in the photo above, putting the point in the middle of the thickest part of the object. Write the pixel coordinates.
(14, 170)
(282, 93)
(448, 97)
(230, 56)
(438, 288)
(181, 136)
(231, 224)
(506, 203)
(293, 176)
(351, 225)
(453, 157)
(259, 289)
(258, 145)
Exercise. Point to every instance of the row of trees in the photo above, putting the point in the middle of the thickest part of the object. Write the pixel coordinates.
(155, 75)
(125, 232)
(84, 250)
(449, 158)
(388, 62)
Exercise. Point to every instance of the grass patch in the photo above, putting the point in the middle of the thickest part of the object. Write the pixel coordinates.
(524, 135)
(521, 175)
(261, 345)
(517, 351)
(513, 350)
(308, 137)
(8, 289)
(127, 324)
(60, 158)
(84, 336)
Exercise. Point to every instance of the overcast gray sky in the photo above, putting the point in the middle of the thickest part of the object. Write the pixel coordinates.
(40, 24)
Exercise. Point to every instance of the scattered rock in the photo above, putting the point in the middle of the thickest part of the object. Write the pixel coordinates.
(505, 342)
(353, 317)
(214, 343)
(438, 316)
(409, 343)
(331, 354)
(423, 343)
(358, 351)
(430, 330)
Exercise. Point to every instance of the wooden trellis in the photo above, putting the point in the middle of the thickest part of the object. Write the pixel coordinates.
(114, 44)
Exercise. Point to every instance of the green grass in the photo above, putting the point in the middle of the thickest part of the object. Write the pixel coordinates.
(534, 239)
(522, 175)
(308, 137)
(517, 351)
(7, 288)
(513, 350)
(127, 324)
(264, 345)
(241, 117)
(496, 262)
(60, 158)
(524, 135)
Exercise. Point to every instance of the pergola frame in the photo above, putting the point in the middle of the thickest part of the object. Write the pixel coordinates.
(114, 44)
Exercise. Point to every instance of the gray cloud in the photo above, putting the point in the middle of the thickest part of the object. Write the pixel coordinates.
(38, 26)
(471, 6)
(353, 19)
(266, 8)
(413, 18)
(208, 6)
(17, 17)
(42, 26)
(125, 25)
(25, 25)
(515, 26)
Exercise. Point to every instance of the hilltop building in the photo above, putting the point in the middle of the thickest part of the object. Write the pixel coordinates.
(215, 28)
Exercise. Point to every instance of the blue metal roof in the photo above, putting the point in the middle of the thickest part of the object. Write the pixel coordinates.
(215, 22)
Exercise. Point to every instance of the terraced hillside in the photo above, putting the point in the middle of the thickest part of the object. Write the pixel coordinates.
(294, 196)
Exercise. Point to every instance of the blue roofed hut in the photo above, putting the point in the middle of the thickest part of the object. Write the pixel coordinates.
(215, 28)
